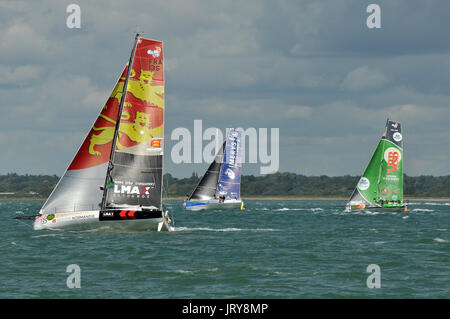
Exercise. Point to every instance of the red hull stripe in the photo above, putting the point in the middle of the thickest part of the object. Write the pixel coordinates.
(123, 214)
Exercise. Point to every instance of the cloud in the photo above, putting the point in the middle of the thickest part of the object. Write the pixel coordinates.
(21, 41)
(294, 112)
(364, 78)
(20, 75)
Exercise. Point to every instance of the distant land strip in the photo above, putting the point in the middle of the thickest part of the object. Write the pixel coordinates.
(278, 186)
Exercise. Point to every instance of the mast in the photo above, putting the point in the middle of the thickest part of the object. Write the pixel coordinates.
(381, 159)
(119, 116)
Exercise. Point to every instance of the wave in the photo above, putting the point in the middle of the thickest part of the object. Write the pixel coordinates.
(47, 235)
(437, 204)
(422, 210)
(284, 209)
(231, 229)
(368, 212)
(181, 271)
(440, 240)
(191, 272)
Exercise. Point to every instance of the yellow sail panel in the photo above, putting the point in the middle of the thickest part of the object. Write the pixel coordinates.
(141, 129)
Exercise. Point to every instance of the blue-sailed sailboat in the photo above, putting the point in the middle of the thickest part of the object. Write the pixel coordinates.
(220, 186)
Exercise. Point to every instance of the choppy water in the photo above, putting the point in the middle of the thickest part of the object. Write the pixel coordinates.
(274, 249)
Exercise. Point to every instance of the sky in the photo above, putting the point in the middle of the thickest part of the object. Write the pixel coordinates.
(312, 69)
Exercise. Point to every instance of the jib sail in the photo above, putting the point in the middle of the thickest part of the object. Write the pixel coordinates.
(206, 188)
(80, 187)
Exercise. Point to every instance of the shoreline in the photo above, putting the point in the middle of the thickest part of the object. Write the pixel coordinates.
(438, 199)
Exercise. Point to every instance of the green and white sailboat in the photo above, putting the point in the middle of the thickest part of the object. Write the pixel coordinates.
(381, 185)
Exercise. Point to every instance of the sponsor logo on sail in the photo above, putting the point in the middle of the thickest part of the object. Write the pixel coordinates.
(363, 183)
(155, 53)
(133, 190)
(229, 172)
(392, 156)
(129, 189)
(155, 143)
(397, 136)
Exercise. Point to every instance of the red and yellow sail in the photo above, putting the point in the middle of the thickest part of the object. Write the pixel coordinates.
(142, 118)
(141, 129)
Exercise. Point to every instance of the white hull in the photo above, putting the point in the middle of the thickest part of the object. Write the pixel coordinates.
(213, 204)
(90, 220)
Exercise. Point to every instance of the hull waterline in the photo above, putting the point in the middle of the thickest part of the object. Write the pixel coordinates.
(89, 220)
(213, 204)
(363, 208)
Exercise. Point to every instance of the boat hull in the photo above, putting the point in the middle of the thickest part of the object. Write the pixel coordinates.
(356, 208)
(89, 220)
(212, 204)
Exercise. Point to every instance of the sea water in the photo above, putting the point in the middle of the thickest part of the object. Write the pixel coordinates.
(272, 249)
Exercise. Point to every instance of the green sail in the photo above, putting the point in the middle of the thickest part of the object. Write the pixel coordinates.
(381, 184)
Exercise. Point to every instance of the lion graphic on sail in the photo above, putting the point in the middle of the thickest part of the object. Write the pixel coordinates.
(141, 89)
(139, 130)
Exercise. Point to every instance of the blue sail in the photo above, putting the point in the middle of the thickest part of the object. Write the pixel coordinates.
(229, 184)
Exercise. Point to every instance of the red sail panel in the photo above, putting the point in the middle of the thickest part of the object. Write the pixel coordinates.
(96, 148)
(142, 119)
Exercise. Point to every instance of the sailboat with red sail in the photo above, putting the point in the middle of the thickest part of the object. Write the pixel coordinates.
(115, 178)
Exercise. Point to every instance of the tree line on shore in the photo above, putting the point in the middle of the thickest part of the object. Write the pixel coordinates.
(13, 185)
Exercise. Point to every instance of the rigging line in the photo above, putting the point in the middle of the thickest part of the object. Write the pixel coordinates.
(21, 222)
(119, 115)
